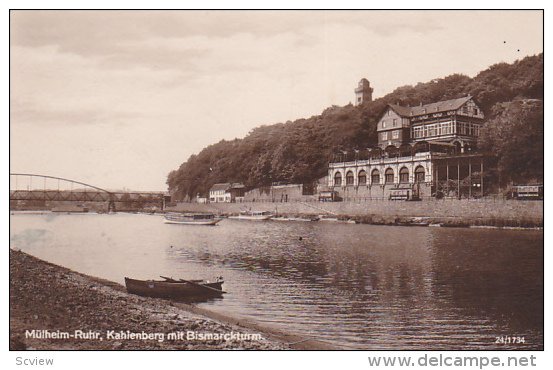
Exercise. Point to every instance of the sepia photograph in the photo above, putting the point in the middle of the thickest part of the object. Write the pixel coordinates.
(276, 180)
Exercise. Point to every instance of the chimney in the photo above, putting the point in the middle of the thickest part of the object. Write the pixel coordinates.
(420, 104)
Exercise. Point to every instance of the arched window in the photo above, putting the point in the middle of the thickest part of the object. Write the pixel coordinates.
(405, 150)
(375, 176)
(419, 174)
(389, 176)
(375, 153)
(349, 178)
(392, 151)
(338, 179)
(362, 177)
(404, 175)
(421, 147)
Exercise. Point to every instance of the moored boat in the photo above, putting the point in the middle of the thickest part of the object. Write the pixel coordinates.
(253, 215)
(337, 220)
(173, 288)
(191, 218)
(299, 219)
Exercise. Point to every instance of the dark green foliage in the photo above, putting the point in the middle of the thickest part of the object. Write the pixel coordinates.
(299, 151)
(515, 135)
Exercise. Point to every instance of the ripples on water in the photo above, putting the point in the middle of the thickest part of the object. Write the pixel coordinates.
(358, 286)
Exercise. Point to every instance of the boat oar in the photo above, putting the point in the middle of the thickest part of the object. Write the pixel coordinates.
(167, 278)
(203, 286)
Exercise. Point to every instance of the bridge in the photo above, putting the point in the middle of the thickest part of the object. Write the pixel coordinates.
(30, 187)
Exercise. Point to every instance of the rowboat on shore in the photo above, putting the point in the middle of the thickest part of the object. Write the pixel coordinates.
(253, 215)
(191, 218)
(174, 288)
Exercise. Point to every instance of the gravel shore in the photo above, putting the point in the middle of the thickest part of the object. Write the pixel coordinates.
(100, 315)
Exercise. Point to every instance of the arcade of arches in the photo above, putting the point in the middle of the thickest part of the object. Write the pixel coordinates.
(429, 174)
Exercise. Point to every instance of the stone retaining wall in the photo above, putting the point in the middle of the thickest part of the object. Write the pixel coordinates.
(464, 208)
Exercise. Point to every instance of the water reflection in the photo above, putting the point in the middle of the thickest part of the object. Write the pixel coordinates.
(360, 286)
(500, 277)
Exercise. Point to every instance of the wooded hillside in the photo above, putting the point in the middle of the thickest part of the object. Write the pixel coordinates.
(299, 151)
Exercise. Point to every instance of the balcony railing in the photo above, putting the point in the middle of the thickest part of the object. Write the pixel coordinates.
(383, 160)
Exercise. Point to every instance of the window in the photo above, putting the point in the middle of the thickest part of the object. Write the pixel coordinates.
(338, 179)
(375, 177)
(394, 122)
(359, 99)
(395, 134)
(475, 111)
(384, 136)
(432, 130)
(362, 177)
(389, 176)
(383, 124)
(404, 175)
(419, 174)
(349, 178)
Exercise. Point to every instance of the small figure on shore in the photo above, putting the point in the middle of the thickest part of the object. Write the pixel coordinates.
(301, 238)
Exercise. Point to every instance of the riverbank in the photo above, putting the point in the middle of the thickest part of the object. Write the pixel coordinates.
(443, 212)
(53, 300)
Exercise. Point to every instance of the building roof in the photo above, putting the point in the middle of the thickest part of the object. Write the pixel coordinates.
(220, 186)
(226, 186)
(401, 110)
(441, 106)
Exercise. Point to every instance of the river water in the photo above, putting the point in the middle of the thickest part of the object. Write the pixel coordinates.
(355, 286)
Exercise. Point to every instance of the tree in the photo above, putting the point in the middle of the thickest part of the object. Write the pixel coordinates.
(515, 136)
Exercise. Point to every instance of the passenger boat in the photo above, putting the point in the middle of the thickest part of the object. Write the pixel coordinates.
(172, 288)
(253, 215)
(191, 218)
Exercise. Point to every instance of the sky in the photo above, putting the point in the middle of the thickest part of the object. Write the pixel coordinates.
(118, 99)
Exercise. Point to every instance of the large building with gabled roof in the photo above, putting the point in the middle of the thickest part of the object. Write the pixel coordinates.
(425, 150)
(454, 121)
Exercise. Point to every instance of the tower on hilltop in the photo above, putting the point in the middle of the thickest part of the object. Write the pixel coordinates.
(363, 92)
